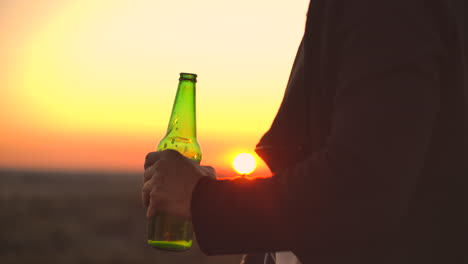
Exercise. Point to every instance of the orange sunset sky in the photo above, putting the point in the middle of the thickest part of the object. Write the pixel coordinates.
(89, 84)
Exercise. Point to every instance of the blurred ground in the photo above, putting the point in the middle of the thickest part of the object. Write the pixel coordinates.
(79, 218)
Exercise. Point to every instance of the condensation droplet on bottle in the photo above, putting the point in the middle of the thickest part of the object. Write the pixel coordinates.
(173, 140)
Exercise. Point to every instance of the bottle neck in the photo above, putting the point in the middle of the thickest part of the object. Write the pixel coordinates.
(183, 117)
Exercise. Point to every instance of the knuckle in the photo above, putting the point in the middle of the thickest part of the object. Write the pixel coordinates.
(171, 153)
(145, 189)
(149, 172)
(154, 193)
(150, 155)
(148, 186)
(150, 159)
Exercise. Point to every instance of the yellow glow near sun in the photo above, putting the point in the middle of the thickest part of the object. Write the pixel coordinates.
(244, 163)
(98, 76)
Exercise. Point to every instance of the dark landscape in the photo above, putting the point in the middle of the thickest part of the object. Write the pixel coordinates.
(57, 217)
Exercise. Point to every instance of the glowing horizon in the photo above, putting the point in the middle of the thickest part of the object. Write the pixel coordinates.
(88, 85)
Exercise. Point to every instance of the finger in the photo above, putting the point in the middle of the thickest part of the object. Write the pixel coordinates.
(145, 194)
(156, 182)
(160, 165)
(156, 203)
(151, 158)
(145, 199)
(151, 211)
(148, 174)
(150, 194)
(210, 172)
(164, 165)
(171, 153)
(147, 186)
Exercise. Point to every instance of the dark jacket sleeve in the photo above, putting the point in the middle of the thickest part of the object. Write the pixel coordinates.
(354, 190)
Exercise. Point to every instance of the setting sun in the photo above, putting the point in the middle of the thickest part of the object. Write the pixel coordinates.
(244, 163)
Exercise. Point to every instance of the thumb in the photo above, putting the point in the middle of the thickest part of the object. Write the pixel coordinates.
(209, 171)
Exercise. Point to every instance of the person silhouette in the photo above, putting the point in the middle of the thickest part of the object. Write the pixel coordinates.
(368, 149)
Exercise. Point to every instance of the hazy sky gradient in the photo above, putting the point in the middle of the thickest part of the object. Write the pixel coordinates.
(89, 84)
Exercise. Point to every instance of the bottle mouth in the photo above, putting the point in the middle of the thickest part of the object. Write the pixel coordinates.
(188, 77)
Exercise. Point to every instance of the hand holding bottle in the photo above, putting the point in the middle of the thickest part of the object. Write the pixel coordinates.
(169, 180)
(164, 194)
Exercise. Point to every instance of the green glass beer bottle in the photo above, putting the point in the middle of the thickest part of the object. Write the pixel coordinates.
(165, 231)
